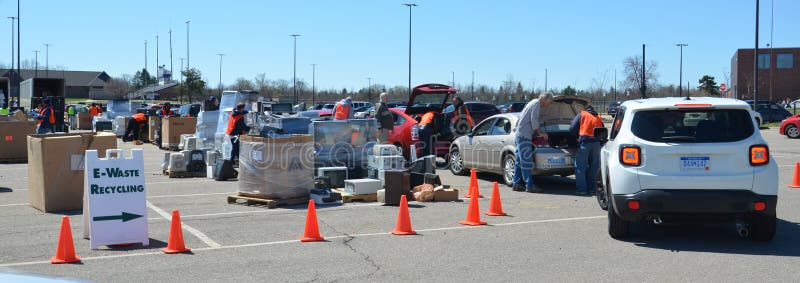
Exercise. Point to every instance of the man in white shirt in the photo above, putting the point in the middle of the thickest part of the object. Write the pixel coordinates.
(528, 127)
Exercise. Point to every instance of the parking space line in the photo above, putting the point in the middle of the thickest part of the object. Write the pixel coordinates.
(13, 204)
(190, 195)
(219, 247)
(195, 232)
(271, 211)
(178, 182)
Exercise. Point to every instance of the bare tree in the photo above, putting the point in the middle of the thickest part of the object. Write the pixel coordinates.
(243, 84)
(117, 87)
(260, 83)
(633, 73)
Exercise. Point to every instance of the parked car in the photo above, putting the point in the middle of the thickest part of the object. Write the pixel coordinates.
(791, 127)
(402, 135)
(515, 107)
(189, 110)
(364, 113)
(433, 97)
(673, 160)
(770, 111)
(490, 146)
(612, 108)
(477, 110)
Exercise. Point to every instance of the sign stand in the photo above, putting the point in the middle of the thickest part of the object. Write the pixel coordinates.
(114, 204)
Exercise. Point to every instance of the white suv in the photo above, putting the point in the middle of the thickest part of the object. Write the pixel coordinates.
(678, 160)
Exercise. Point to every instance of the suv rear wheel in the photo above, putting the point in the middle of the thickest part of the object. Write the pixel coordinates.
(763, 228)
(617, 227)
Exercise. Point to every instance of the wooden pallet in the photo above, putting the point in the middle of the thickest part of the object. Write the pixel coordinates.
(259, 200)
(348, 197)
(14, 160)
(170, 148)
(184, 174)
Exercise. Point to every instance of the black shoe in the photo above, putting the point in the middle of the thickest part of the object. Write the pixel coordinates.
(518, 187)
(535, 190)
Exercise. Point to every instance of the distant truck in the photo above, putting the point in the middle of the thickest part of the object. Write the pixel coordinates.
(33, 90)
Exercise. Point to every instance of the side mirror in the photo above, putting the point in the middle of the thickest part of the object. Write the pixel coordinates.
(470, 133)
(601, 133)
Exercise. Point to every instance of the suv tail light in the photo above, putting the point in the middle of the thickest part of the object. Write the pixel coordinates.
(540, 141)
(759, 154)
(630, 155)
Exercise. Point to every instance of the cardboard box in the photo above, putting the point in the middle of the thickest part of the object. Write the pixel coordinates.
(445, 195)
(84, 121)
(13, 140)
(55, 168)
(153, 125)
(173, 127)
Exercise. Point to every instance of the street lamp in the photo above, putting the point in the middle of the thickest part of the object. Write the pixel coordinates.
(36, 64)
(187, 44)
(454, 78)
(294, 75)
(680, 78)
(158, 77)
(369, 89)
(12, 41)
(145, 55)
(409, 5)
(220, 73)
(47, 60)
(313, 86)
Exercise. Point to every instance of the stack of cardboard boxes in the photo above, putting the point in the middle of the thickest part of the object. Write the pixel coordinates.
(13, 132)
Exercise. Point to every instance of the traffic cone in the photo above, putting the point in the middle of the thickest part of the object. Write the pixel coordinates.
(473, 214)
(473, 184)
(311, 234)
(65, 251)
(403, 219)
(175, 243)
(796, 179)
(495, 205)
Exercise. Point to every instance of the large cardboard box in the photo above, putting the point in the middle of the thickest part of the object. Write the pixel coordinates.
(55, 168)
(173, 127)
(13, 139)
(84, 121)
(153, 125)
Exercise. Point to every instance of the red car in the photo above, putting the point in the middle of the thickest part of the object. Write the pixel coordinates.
(401, 135)
(791, 127)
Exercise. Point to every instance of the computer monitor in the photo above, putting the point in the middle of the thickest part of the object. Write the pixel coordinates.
(337, 175)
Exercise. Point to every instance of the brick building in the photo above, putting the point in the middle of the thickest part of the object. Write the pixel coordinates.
(783, 65)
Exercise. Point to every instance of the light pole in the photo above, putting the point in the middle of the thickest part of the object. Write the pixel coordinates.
(313, 86)
(644, 81)
(220, 73)
(19, 70)
(294, 73)
(472, 86)
(755, 64)
(12, 41)
(369, 89)
(615, 85)
(453, 73)
(36, 64)
(187, 44)
(409, 5)
(158, 76)
(680, 77)
(545, 79)
(180, 95)
(170, 55)
(47, 60)
(145, 56)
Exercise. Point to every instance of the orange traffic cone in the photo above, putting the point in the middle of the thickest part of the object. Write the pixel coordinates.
(473, 214)
(495, 205)
(311, 234)
(796, 179)
(403, 219)
(473, 184)
(65, 252)
(175, 243)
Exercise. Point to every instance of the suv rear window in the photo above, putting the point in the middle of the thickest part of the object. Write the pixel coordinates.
(694, 125)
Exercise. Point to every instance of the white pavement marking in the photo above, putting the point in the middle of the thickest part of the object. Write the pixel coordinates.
(178, 182)
(271, 210)
(13, 204)
(190, 195)
(219, 247)
(194, 231)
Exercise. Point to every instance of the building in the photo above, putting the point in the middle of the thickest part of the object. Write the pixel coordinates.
(778, 74)
(79, 84)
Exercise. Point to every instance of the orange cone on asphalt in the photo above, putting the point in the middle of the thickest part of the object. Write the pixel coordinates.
(311, 233)
(175, 243)
(65, 251)
(473, 184)
(474, 213)
(403, 219)
(796, 179)
(495, 205)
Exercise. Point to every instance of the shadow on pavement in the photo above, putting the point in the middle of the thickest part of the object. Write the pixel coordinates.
(715, 238)
(5, 190)
(552, 185)
(131, 247)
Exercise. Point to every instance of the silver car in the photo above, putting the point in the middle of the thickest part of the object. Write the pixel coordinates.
(490, 146)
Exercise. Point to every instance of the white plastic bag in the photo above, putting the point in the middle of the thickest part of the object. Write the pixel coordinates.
(227, 146)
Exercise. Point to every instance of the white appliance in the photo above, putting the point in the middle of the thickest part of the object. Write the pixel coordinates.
(337, 175)
(178, 162)
(386, 162)
(188, 142)
(385, 150)
(362, 186)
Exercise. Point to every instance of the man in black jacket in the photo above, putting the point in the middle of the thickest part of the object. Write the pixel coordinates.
(385, 119)
(237, 127)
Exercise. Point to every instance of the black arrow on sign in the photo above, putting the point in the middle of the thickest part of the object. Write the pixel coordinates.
(125, 217)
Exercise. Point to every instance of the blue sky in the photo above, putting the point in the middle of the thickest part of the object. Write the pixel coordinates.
(575, 40)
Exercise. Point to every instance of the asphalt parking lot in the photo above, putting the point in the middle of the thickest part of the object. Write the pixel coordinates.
(555, 236)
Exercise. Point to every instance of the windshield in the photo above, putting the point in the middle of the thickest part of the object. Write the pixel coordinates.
(700, 125)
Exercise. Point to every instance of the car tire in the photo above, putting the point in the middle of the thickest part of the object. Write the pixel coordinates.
(792, 131)
(763, 228)
(509, 162)
(456, 162)
(602, 196)
(617, 227)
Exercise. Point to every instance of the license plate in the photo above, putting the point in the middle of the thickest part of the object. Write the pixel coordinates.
(556, 160)
(695, 163)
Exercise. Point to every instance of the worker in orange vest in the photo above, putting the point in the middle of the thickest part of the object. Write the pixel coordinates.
(93, 110)
(587, 160)
(166, 110)
(427, 129)
(343, 109)
(47, 117)
(236, 127)
(135, 124)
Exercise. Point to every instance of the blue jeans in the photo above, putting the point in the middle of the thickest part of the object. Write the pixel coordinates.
(44, 129)
(524, 162)
(587, 165)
